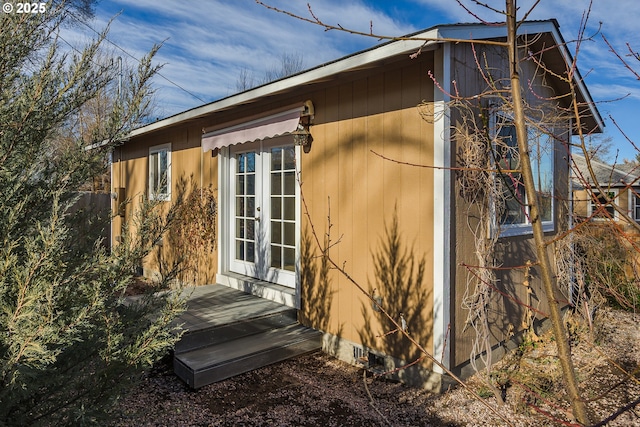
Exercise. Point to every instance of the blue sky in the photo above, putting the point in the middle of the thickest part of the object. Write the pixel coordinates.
(208, 43)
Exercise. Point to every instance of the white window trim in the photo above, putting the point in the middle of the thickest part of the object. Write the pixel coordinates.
(591, 193)
(512, 230)
(631, 192)
(165, 197)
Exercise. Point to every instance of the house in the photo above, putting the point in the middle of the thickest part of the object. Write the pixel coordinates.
(622, 185)
(607, 197)
(331, 150)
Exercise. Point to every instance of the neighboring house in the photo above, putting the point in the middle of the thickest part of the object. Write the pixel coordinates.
(251, 146)
(620, 182)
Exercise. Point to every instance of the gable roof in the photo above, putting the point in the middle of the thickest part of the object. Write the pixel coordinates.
(610, 176)
(420, 41)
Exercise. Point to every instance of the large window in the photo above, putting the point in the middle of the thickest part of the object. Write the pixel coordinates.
(160, 172)
(512, 207)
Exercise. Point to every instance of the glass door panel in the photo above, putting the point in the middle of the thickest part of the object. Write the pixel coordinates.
(264, 213)
(245, 204)
(283, 202)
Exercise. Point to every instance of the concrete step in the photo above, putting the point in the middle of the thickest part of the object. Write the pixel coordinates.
(226, 359)
(217, 334)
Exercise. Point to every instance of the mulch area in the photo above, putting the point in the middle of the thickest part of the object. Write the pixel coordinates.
(318, 390)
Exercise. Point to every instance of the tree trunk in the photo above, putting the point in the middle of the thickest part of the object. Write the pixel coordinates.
(559, 330)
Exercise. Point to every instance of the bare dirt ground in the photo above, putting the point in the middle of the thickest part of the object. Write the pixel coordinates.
(317, 390)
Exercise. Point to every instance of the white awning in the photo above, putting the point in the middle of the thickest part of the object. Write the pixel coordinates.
(265, 127)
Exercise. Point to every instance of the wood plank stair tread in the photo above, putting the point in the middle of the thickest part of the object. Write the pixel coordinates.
(192, 340)
(223, 360)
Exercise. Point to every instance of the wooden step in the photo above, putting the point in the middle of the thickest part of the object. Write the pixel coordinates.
(217, 334)
(223, 360)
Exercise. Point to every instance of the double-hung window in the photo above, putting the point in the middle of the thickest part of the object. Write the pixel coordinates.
(513, 213)
(160, 172)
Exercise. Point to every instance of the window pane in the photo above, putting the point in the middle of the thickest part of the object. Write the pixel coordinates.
(239, 249)
(250, 162)
(289, 233)
(507, 149)
(289, 183)
(507, 162)
(163, 161)
(546, 206)
(250, 225)
(239, 206)
(290, 208)
(240, 228)
(163, 186)
(289, 158)
(276, 183)
(240, 184)
(153, 172)
(251, 207)
(276, 207)
(289, 259)
(240, 160)
(250, 256)
(541, 147)
(516, 208)
(276, 232)
(251, 184)
(513, 197)
(276, 256)
(276, 159)
(514, 213)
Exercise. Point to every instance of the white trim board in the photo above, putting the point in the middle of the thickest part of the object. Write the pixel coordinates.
(442, 213)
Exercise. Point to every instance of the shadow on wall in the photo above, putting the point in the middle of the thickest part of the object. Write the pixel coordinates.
(316, 292)
(191, 241)
(399, 287)
(518, 298)
(90, 220)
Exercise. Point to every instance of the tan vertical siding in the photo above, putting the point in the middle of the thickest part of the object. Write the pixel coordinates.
(189, 167)
(377, 112)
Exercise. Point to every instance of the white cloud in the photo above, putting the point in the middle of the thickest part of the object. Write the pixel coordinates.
(209, 42)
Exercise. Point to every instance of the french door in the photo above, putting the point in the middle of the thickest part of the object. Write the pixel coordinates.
(265, 205)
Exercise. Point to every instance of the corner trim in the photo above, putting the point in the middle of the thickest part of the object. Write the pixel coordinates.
(442, 213)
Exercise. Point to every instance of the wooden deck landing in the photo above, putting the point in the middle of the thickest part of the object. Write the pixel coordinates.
(230, 332)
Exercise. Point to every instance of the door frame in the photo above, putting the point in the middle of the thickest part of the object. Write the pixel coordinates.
(287, 293)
